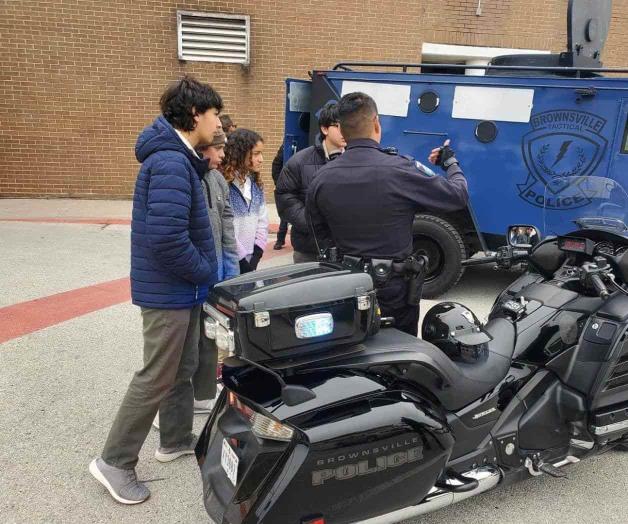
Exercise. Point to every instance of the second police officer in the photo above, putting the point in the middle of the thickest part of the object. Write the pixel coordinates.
(297, 175)
(365, 201)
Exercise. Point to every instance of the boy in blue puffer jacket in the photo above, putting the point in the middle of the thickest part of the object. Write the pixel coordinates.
(173, 265)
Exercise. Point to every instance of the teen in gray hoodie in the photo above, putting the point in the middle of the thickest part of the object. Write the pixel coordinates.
(221, 219)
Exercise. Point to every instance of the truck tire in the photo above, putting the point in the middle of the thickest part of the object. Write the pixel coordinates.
(442, 243)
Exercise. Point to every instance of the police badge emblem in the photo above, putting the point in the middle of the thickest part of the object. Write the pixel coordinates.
(563, 146)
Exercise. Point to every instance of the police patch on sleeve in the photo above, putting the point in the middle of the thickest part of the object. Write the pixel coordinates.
(424, 169)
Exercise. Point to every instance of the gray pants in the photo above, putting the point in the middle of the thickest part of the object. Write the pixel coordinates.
(204, 380)
(171, 338)
(299, 257)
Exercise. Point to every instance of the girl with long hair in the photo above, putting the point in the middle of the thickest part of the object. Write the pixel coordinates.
(241, 169)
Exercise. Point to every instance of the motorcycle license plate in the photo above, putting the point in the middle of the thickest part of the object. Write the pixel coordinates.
(229, 462)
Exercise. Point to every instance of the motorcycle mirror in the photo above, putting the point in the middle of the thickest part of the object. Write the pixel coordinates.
(523, 236)
(294, 395)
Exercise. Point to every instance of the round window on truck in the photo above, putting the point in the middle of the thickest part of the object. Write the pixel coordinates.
(429, 102)
(486, 131)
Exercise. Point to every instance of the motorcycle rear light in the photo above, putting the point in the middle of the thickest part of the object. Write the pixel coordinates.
(217, 316)
(210, 328)
(236, 403)
(317, 520)
(217, 327)
(261, 425)
(225, 340)
(268, 428)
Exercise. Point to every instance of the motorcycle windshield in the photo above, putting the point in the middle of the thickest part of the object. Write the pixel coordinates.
(574, 203)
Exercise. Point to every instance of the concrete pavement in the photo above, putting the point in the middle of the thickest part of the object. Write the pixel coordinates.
(61, 386)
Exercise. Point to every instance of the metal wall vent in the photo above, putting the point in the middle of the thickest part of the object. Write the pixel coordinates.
(213, 37)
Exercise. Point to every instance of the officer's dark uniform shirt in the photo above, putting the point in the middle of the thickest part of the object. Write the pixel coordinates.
(364, 202)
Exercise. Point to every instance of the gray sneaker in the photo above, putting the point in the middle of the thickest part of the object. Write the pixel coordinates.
(122, 484)
(170, 454)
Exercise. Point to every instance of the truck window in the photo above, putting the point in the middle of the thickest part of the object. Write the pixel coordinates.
(624, 143)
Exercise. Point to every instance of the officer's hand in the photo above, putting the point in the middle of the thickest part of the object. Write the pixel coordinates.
(435, 154)
(443, 156)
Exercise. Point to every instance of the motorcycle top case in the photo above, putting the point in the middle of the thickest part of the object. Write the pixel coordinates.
(296, 311)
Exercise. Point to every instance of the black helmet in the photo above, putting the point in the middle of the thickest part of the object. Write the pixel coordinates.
(456, 331)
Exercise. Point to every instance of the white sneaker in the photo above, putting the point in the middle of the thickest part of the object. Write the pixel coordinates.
(170, 454)
(202, 407)
(156, 421)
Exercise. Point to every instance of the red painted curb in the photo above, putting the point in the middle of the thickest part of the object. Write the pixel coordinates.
(26, 317)
(34, 315)
(57, 220)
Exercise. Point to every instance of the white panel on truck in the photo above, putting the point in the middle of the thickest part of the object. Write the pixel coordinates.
(391, 99)
(493, 103)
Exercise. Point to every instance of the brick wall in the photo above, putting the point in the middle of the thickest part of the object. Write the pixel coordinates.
(81, 78)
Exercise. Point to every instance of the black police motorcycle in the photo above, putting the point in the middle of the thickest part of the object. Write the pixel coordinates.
(324, 418)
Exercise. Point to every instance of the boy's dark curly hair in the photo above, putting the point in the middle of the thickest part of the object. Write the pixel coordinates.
(180, 97)
(237, 154)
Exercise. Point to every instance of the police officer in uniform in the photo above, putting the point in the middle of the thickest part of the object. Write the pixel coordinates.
(365, 201)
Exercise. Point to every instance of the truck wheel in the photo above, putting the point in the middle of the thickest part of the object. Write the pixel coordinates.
(441, 242)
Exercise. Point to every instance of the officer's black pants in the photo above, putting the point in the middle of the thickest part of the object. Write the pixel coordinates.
(393, 301)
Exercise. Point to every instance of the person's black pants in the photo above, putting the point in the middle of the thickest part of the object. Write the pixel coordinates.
(282, 232)
(393, 302)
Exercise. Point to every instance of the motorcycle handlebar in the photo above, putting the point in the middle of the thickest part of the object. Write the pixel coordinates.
(504, 258)
(478, 261)
(599, 286)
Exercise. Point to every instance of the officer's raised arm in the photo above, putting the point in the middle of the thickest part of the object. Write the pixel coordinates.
(434, 192)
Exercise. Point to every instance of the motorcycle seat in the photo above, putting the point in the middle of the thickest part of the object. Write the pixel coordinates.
(454, 384)
(470, 381)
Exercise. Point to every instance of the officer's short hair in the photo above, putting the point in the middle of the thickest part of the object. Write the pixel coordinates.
(328, 116)
(356, 112)
(183, 99)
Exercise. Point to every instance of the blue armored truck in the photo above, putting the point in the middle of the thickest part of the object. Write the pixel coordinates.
(528, 123)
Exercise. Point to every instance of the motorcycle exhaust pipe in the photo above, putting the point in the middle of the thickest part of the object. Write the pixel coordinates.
(488, 477)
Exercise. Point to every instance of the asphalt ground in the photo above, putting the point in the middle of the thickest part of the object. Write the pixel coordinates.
(72, 341)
